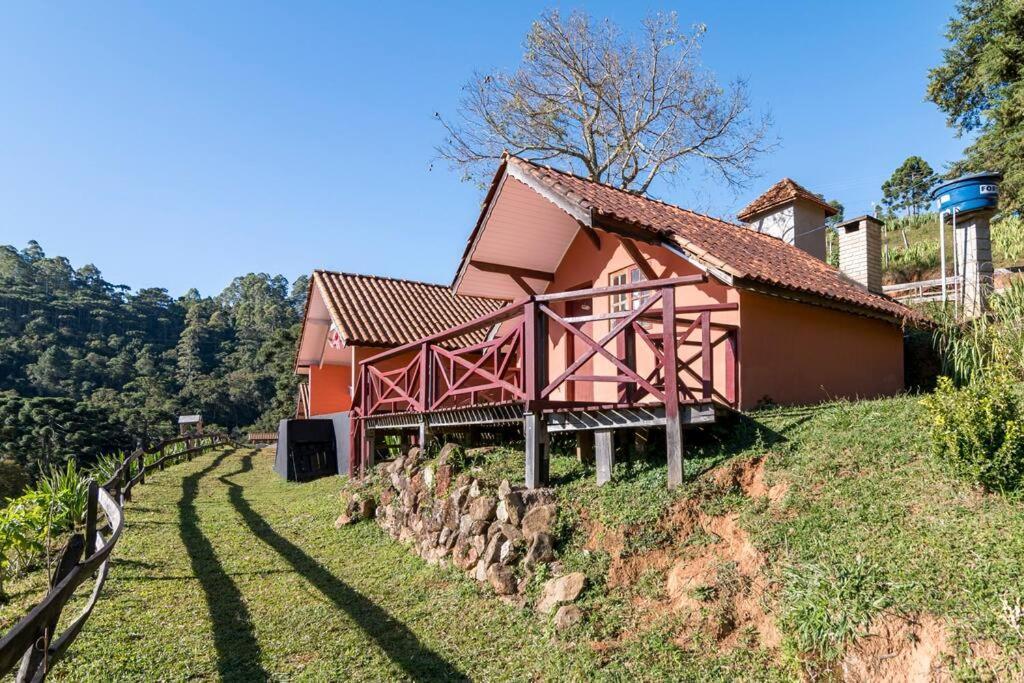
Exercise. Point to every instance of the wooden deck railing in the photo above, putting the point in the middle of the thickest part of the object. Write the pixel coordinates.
(34, 640)
(511, 365)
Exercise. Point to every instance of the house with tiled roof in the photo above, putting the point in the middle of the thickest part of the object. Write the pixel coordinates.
(349, 318)
(617, 312)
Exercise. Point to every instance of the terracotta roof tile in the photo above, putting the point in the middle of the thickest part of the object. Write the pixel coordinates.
(378, 311)
(785, 190)
(734, 249)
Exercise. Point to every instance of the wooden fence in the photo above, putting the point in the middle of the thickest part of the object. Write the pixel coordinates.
(34, 640)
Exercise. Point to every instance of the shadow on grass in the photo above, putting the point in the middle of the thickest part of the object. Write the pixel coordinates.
(399, 643)
(238, 652)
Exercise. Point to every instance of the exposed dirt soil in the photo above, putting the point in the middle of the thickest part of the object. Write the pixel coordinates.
(749, 477)
(900, 648)
(714, 577)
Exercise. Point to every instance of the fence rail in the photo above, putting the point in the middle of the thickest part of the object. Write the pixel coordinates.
(34, 640)
(426, 376)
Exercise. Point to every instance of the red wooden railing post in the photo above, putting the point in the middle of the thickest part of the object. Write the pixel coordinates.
(426, 394)
(731, 386)
(533, 385)
(707, 364)
(673, 421)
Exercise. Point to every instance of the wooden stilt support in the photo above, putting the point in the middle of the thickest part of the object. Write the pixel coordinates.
(674, 449)
(424, 435)
(369, 450)
(673, 422)
(605, 450)
(585, 447)
(536, 433)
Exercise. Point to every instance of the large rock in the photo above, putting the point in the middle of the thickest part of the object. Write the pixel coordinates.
(502, 580)
(459, 497)
(507, 554)
(443, 480)
(479, 543)
(567, 616)
(481, 571)
(492, 553)
(508, 530)
(559, 590)
(417, 484)
(365, 507)
(534, 497)
(482, 509)
(464, 555)
(510, 504)
(539, 520)
(541, 550)
(447, 451)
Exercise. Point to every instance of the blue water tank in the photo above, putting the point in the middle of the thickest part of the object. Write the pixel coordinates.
(976, 192)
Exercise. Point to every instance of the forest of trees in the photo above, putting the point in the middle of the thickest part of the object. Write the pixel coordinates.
(87, 366)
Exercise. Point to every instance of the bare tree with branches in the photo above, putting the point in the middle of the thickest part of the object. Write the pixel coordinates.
(617, 109)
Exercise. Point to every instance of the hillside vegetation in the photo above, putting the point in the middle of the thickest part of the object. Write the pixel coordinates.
(913, 246)
(820, 541)
(111, 366)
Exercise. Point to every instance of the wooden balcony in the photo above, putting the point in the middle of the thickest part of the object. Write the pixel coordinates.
(513, 376)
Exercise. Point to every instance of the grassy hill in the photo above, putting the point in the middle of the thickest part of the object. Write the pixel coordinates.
(815, 541)
(913, 246)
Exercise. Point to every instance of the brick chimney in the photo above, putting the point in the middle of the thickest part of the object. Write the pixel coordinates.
(793, 214)
(860, 251)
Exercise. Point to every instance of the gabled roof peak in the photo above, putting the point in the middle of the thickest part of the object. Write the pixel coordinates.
(738, 251)
(782, 192)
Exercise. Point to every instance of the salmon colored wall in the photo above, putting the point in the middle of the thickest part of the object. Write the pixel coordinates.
(798, 353)
(584, 264)
(329, 388)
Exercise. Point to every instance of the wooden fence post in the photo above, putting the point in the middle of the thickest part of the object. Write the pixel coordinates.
(90, 518)
(35, 663)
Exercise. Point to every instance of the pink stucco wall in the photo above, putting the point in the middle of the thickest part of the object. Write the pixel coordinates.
(585, 265)
(795, 353)
(329, 389)
(789, 352)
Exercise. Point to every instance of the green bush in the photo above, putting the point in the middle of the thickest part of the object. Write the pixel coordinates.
(30, 522)
(977, 430)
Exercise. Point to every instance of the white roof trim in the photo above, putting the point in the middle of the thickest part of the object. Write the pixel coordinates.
(558, 200)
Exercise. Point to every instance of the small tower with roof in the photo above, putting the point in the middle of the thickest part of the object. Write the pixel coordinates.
(793, 214)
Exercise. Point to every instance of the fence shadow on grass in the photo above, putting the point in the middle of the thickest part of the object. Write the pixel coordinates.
(238, 651)
(396, 640)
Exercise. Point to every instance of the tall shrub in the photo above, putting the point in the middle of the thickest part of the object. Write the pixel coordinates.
(978, 430)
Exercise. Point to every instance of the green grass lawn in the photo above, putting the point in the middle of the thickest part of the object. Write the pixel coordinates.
(225, 571)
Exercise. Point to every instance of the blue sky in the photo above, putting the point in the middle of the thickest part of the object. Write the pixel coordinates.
(180, 144)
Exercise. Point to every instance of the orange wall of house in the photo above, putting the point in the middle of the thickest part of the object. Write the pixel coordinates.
(329, 388)
(584, 264)
(793, 353)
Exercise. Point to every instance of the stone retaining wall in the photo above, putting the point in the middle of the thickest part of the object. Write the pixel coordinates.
(496, 537)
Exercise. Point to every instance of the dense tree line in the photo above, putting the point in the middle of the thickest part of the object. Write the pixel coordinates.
(87, 366)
